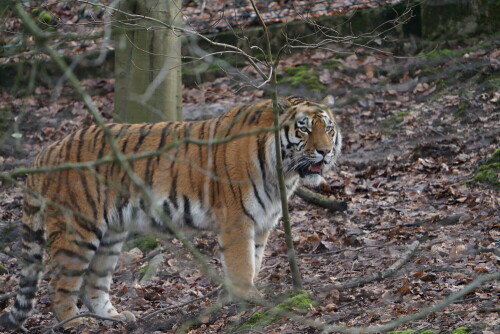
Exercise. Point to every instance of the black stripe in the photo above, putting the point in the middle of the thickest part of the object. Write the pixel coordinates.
(188, 218)
(81, 139)
(85, 244)
(123, 128)
(166, 209)
(163, 138)
(24, 308)
(216, 176)
(94, 133)
(255, 191)
(112, 242)
(261, 155)
(88, 195)
(102, 251)
(33, 236)
(201, 137)
(122, 202)
(68, 145)
(245, 211)
(72, 272)
(68, 292)
(71, 254)
(254, 119)
(248, 112)
(173, 192)
(143, 134)
(100, 273)
(28, 282)
(89, 226)
(187, 134)
(101, 288)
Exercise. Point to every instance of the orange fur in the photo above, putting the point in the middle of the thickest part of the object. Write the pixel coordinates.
(230, 188)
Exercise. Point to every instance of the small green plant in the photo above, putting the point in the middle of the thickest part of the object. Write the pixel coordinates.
(142, 271)
(144, 243)
(296, 301)
(395, 119)
(302, 75)
(460, 330)
(488, 172)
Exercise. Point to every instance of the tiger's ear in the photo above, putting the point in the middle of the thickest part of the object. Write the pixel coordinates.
(283, 104)
(328, 101)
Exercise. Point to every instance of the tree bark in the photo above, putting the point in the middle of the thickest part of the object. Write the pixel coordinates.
(148, 63)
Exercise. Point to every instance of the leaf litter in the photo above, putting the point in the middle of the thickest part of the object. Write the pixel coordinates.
(412, 143)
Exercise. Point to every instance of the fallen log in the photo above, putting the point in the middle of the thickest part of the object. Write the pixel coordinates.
(320, 200)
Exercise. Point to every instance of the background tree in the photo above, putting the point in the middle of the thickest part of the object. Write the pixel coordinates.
(148, 63)
(411, 110)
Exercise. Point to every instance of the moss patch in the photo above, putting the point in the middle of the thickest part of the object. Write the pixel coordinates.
(488, 172)
(142, 271)
(460, 330)
(410, 331)
(294, 76)
(394, 120)
(144, 243)
(297, 301)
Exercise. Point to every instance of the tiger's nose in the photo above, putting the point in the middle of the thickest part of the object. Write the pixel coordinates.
(323, 151)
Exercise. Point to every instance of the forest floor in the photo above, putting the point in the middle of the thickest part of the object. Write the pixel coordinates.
(416, 129)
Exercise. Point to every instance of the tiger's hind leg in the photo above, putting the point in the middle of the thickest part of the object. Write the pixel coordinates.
(99, 277)
(73, 243)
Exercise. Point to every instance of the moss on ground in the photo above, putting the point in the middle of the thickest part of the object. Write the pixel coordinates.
(488, 172)
(304, 75)
(144, 243)
(395, 119)
(297, 301)
(459, 330)
(142, 271)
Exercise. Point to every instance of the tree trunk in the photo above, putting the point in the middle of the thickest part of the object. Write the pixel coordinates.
(148, 63)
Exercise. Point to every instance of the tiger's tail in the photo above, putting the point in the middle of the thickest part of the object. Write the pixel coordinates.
(33, 238)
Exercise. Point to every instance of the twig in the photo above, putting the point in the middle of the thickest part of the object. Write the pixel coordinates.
(320, 200)
(148, 316)
(292, 260)
(8, 295)
(50, 329)
(337, 251)
(416, 316)
(381, 274)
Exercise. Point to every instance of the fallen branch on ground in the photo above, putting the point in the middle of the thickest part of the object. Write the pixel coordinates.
(50, 329)
(320, 200)
(8, 295)
(152, 314)
(381, 274)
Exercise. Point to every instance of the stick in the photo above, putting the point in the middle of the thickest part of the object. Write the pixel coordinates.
(148, 316)
(378, 275)
(320, 200)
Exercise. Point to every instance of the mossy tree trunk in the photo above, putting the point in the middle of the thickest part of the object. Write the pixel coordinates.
(148, 63)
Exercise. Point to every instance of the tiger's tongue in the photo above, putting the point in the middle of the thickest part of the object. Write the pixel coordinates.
(316, 168)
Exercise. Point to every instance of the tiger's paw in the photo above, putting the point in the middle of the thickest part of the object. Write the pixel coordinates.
(125, 316)
(250, 294)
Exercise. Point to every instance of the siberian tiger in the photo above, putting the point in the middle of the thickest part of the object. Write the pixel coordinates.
(83, 215)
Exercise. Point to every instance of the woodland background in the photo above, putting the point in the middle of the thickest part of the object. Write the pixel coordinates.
(418, 106)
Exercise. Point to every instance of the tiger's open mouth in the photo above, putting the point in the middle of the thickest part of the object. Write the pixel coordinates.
(314, 168)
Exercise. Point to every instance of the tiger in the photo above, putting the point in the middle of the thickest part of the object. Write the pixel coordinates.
(217, 174)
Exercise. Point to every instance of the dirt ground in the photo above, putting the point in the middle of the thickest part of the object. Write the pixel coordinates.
(416, 128)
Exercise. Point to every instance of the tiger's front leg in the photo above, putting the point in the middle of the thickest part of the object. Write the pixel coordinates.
(237, 243)
(260, 246)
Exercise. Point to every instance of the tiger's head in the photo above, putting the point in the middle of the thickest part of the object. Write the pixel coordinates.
(310, 140)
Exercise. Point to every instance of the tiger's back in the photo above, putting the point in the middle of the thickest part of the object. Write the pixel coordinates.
(217, 174)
